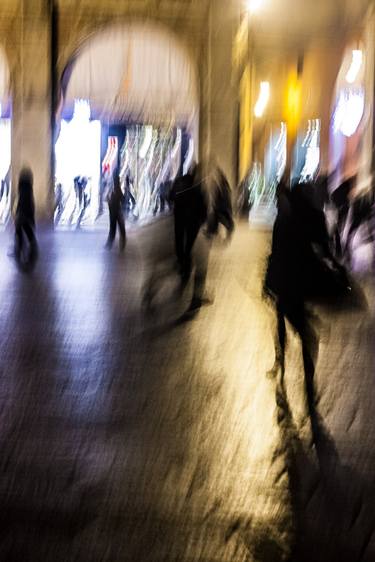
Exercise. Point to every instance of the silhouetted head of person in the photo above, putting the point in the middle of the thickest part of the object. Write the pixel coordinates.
(25, 183)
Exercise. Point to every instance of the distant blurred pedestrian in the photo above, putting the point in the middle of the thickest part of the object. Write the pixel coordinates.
(59, 203)
(129, 200)
(25, 219)
(116, 216)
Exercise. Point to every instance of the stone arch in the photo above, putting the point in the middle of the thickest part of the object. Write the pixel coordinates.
(78, 39)
(151, 80)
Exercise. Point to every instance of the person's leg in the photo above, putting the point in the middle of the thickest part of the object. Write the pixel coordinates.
(112, 228)
(18, 241)
(301, 321)
(202, 253)
(179, 232)
(30, 233)
(280, 342)
(121, 227)
(192, 230)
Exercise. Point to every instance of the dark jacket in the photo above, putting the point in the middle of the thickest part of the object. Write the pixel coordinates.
(25, 211)
(116, 197)
(297, 266)
(189, 199)
(221, 211)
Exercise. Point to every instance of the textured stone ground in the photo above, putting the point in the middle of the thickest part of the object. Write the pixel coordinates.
(128, 436)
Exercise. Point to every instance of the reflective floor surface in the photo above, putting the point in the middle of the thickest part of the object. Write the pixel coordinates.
(130, 435)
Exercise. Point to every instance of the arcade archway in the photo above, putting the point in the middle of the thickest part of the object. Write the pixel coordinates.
(129, 101)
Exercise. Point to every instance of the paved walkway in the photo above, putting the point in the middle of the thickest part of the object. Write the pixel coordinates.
(128, 436)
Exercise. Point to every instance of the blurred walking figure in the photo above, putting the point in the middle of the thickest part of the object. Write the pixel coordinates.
(190, 207)
(26, 254)
(129, 200)
(116, 217)
(300, 267)
(199, 202)
(59, 203)
(220, 210)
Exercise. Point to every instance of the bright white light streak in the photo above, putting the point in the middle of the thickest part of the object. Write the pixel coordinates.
(281, 151)
(177, 144)
(264, 96)
(355, 67)
(313, 151)
(146, 142)
(189, 156)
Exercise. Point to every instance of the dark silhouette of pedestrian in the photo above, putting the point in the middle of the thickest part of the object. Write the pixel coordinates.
(197, 203)
(190, 213)
(26, 247)
(220, 204)
(59, 203)
(116, 216)
(129, 200)
(300, 267)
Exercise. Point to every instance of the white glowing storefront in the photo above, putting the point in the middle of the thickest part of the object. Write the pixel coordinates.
(5, 141)
(78, 156)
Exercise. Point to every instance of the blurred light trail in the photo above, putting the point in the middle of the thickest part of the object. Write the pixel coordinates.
(264, 96)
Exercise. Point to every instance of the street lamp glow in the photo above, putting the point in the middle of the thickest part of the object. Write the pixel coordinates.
(253, 5)
(262, 101)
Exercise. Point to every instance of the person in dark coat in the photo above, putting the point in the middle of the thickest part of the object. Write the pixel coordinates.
(299, 228)
(220, 207)
(116, 217)
(190, 213)
(198, 203)
(25, 217)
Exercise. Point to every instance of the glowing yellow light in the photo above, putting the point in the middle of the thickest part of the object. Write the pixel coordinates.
(357, 58)
(293, 103)
(254, 5)
(264, 96)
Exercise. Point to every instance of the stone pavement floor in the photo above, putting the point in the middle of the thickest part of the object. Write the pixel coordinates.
(129, 435)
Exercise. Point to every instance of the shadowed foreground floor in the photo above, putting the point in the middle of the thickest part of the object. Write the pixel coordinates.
(131, 436)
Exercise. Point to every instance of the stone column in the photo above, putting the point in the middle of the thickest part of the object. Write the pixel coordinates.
(219, 103)
(31, 118)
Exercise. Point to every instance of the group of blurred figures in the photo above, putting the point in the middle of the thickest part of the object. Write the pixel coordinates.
(199, 202)
(309, 262)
